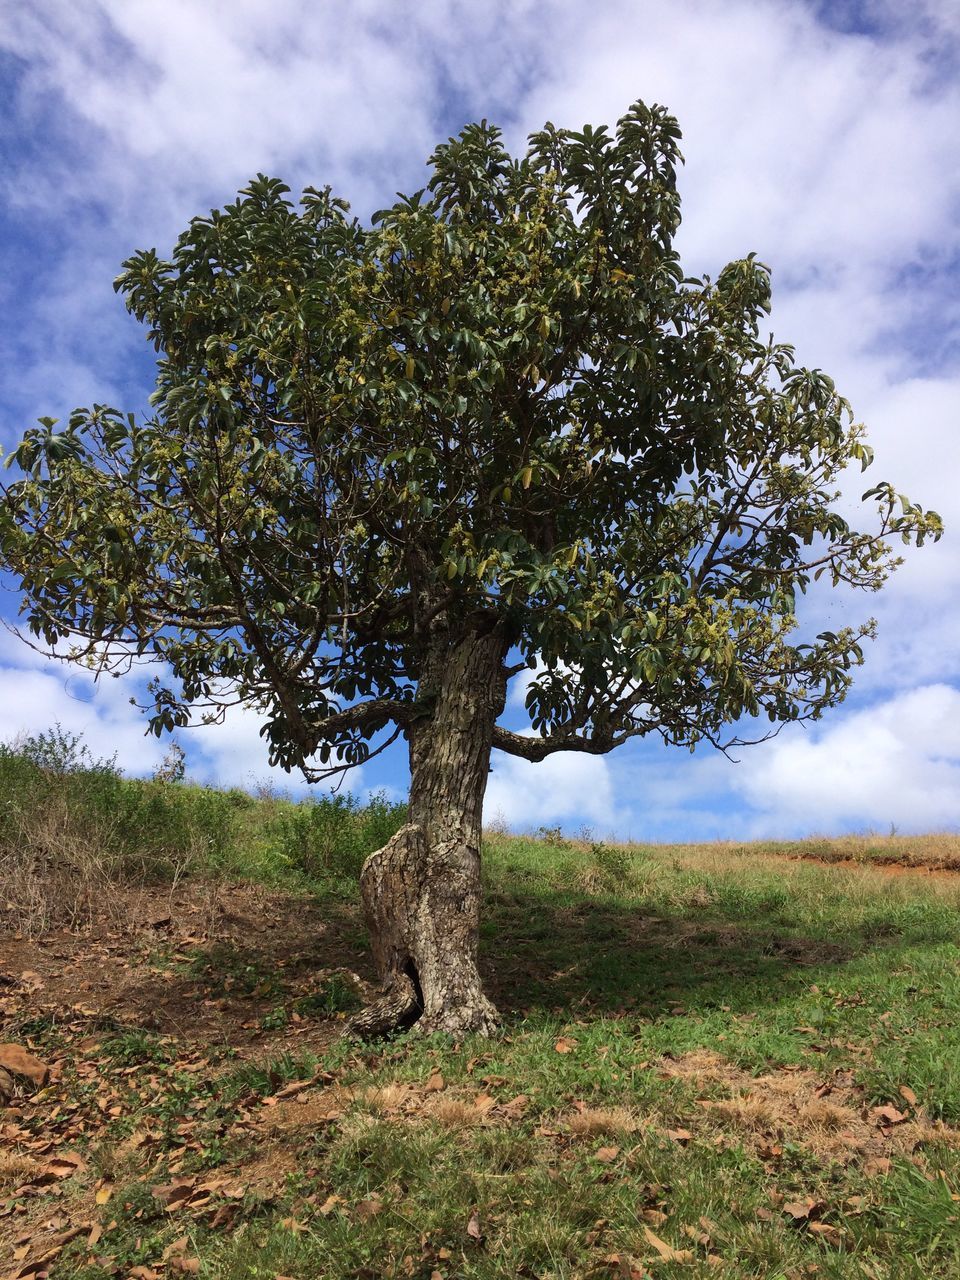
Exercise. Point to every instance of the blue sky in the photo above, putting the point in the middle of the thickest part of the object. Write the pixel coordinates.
(823, 136)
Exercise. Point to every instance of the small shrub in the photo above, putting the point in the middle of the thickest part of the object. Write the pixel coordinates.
(134, 1047)
(329, 839)
(173, 767)
(553, 836)
(59, 752)
(606, 869)
(275, 1019)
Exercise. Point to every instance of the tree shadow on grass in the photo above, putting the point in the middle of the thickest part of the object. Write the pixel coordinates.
(544, 954)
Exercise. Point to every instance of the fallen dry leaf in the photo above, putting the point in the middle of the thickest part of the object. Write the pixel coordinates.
(64, 1165)
(625, 1268)
(908, 1095)
(887, 1115)
(666, 1251)
(565, 1045)
(515, 1107)
(367, 1209)
(473, 1228)
(180, 1245)
(697, 1236)
(606, 1155)
(293, 1088)
(176, 1193)
(798, 1210)
(18, 1062)
(51, 1248)
(436, 1083)
(825, 1231)
(184, 1266)
(679, 1135)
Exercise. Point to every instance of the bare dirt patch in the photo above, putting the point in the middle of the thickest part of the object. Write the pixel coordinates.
(137, 1024)
(199, 962)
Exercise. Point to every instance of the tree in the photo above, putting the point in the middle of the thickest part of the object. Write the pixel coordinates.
(393, 466)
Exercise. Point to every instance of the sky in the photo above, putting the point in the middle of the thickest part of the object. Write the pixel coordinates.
(825, 137)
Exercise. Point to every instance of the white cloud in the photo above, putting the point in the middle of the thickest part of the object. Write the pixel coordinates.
(564, 787)
(234, 754)
(37, 692)
(897, 762)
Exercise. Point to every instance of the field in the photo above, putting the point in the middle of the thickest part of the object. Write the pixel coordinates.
(724, 1061)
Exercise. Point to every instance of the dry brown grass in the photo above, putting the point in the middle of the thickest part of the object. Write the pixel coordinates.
(453, 1113)
(934, 851)
(16, 1169)
(829, 1117)
(589, 1122)
(383, 1100)
(57, 871)
(700, 1065)
(54, 871)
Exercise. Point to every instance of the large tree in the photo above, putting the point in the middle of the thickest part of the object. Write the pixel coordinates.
(494, 433)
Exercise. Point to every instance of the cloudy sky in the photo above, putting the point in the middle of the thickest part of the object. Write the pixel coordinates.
(823, 136)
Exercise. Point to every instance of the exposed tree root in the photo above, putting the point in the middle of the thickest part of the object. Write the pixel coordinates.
(395, 1010)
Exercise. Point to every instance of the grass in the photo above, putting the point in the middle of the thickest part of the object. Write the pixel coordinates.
(723, 1060)
(71, 826)
(699, 1056)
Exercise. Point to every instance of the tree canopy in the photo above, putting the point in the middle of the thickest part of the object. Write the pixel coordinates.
(500, 400)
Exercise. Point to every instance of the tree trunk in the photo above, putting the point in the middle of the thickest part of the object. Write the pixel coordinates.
(421, 891)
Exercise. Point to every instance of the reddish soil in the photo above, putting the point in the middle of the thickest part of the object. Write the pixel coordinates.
(881, 865)
(199, 962)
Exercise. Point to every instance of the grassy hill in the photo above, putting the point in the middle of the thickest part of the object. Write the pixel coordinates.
(723, 1060)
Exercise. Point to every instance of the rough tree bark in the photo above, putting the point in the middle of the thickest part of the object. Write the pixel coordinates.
(421, 891)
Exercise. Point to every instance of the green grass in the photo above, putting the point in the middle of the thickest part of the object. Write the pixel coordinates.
(629, 960)
(697, 1036)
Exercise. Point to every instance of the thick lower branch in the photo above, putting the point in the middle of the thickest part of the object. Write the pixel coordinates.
(517, 744)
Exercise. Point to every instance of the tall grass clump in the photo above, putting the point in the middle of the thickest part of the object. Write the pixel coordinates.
(328, 839)
(71, 827)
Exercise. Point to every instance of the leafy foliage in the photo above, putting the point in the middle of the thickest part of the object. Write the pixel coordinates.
(501, 403)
